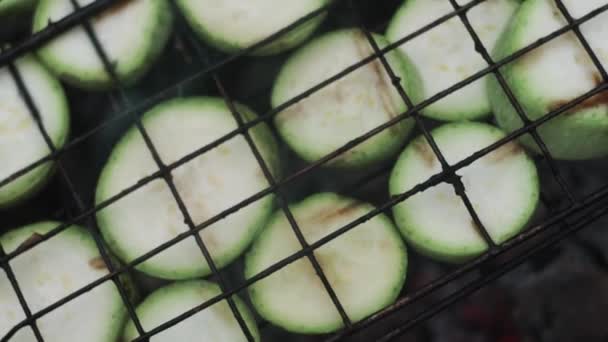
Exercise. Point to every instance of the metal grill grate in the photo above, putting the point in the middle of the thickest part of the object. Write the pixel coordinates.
(577, 214)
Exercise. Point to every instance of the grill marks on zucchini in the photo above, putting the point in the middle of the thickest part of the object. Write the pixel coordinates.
(551, 76)
(348, 108)
(382, 82)
(600, 99)
(113, 10)
(131, 48)
(294, 297)
(21, 142)
(446, 54)
(503, 188)
(208, 184)
(51, 271)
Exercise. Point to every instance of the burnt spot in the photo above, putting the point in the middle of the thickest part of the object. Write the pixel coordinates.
(506, 151)
(531, 58)
(600, 99)
(97, 263)
(34, 238)
(425, 151)
(331, 213)
(382, 83)
(113, 9)
(294, 111)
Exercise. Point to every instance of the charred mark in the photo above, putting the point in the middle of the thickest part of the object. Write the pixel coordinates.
(384, 86)
(600, 99)
(97, 263)
(332, 213)
(113, 9)
(423, 148)
(506, 151)
(34, 238)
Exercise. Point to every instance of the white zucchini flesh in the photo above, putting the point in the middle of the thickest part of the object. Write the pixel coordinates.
(366, 266)
(215, 323)
(233, 25)
(132, 33)
(347, 108)
(21, 141)
(446, 54)
(554, 74)
(208, 184)
(51, 271)
(503, 187)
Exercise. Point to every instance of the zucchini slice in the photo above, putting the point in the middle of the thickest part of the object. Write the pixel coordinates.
(53, 270)
(233, 25)
(347, 108)
(9, 8)
(552, 75)
(446, 54)
(215, 323)
(503, 187)
(366, 266)
(21, 142)
(133, 34)
(208, 184)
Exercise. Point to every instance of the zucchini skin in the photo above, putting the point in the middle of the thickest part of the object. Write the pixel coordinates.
(129, 72)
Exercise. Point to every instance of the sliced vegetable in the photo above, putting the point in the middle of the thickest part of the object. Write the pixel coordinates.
(21, 141)
(233, 25)
(503, 187)
(365, 266)
(552, 75)
(215, 323)
(208, 184)
(49, 272)
(132, 33)
(446, 54)
(347, 108)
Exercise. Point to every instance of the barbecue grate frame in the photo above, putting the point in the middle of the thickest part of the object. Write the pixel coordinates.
(578, 213)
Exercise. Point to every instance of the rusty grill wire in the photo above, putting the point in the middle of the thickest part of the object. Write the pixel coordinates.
(576, 215)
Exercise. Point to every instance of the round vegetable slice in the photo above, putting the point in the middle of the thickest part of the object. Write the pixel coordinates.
(49, 272)
(552, 75)
(347, 108)
(132, 33)
(215, 323)
(233, 25)
(9, 8)
(446, 54)
(208, 185)
(21, 142)
(503, 187)
(366, 266)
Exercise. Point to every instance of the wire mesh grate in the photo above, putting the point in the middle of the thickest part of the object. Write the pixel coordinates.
(580, 212)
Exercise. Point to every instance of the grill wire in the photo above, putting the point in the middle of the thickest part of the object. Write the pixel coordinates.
(577, 214)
